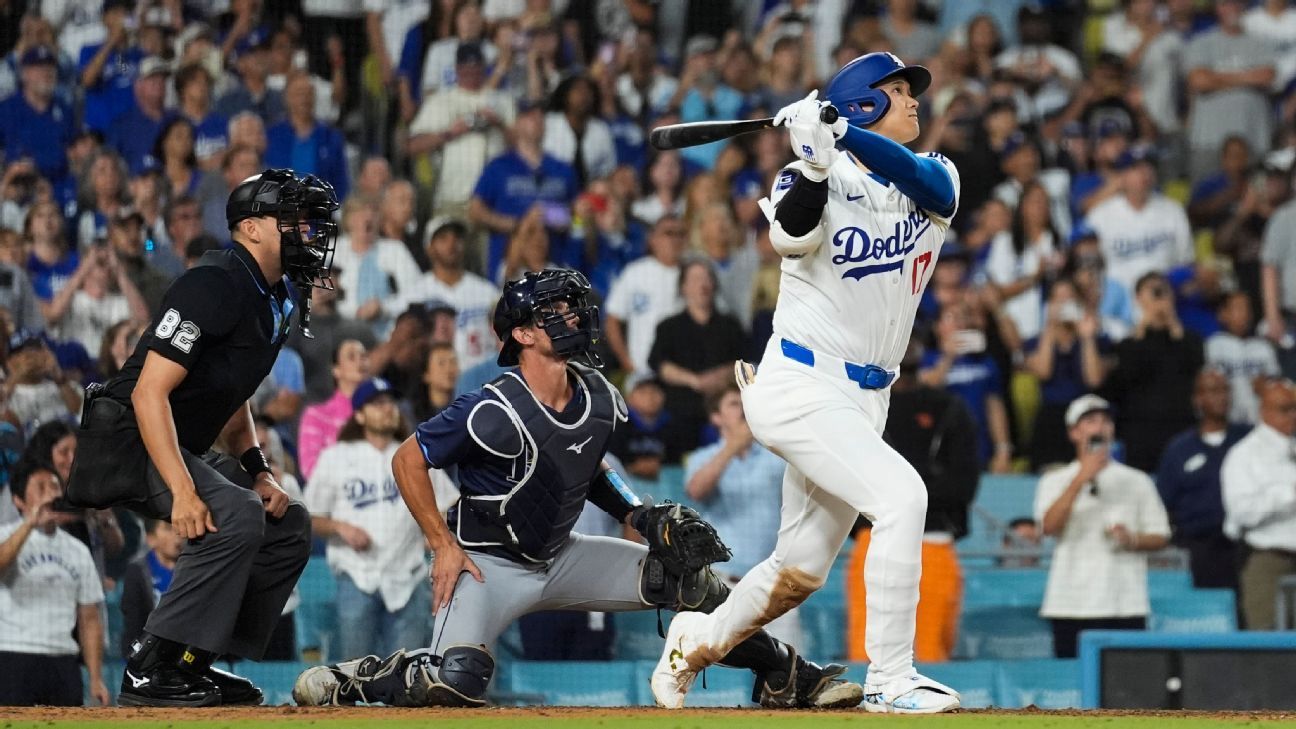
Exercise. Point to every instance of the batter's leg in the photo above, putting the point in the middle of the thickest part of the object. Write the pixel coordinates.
(832, 439)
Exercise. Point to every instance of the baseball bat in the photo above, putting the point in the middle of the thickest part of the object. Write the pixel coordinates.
(678, 136)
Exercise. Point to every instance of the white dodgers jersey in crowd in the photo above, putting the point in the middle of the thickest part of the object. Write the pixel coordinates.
(856, 295)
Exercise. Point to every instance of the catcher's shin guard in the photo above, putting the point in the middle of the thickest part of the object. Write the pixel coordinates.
(457, 677)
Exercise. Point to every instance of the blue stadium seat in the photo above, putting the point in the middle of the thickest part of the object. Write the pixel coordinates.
(636, 635)
(1004, 632)
(1003, 587)
(317, 616)
(1050, 683)
(824, 628)
(1194, 611)
(578, 683)
(999, 500)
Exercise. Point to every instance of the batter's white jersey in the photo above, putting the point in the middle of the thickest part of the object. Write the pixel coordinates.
(856, 295)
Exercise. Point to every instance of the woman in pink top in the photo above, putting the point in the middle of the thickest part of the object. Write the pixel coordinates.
(320, 422)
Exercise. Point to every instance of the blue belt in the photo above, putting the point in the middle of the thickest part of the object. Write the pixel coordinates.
(867, 376)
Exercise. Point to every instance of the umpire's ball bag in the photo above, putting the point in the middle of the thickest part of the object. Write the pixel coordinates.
(111, 463)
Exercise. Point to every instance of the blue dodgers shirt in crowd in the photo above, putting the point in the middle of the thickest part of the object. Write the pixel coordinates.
(510, 186)
(973, 377)
(114, 94)
(41, 137)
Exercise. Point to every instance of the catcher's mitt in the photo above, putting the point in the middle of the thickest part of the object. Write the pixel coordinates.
(679, 536)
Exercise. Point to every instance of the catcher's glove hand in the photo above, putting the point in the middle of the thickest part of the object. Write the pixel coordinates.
(679, 536)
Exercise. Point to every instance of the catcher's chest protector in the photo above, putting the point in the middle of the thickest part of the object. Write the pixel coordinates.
(556, 464)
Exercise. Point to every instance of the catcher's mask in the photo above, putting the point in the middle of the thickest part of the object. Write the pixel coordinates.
(536, 299)
(303, 208)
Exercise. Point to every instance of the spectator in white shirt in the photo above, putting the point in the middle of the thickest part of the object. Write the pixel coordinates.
(1241, 355)
(374, 270)
(1021, 259)
(1258, 481)
(1140, 230)
(48, 586)
(575, 135)
(463, 122)
(646, 293)
(374, 546)
(1105, 517)
(472, 297)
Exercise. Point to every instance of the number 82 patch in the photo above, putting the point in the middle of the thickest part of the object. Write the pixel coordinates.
(182, 333)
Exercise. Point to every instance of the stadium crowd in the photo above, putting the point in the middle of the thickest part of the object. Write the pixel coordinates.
(1126, 240)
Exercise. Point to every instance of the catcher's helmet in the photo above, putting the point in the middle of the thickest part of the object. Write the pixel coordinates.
(853, 89)
(533, 299)
(303, 207)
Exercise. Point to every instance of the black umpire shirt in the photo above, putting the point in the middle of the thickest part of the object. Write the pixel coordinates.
(223, 323)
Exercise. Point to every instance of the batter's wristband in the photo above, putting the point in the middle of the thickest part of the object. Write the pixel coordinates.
(254, 461)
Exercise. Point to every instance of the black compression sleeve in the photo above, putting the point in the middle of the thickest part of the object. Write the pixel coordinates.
(802, 206)
(611, 499)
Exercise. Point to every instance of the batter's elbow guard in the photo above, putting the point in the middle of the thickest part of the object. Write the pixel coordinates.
(790, 246)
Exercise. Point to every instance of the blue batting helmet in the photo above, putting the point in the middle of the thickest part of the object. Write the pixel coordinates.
(853, 90)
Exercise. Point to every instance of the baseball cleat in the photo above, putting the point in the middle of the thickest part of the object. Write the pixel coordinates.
(809, 686)
(913, 694)
(166, 685)
(341, 684)
(822, 688)
(673, 676)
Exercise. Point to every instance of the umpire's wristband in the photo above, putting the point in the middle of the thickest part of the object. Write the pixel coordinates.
(254, 461)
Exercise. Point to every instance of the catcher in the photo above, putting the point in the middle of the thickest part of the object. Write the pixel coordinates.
(529, 451)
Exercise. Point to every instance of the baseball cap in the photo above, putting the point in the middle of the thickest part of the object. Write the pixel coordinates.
(38, 54)
(23, 337)
(441, 223)
(126, 5)
(126, 214)
(699, 44)
(1133, 156)
(1082, 406)
(370, 389)
(469, 53)
(152, 65)
(1015, 141)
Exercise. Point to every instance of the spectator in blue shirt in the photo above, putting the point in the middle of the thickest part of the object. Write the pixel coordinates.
(1216, 196)
(518, 179)
(50, 260)
(193, 86)
(35, 125)
(108, 69)
(961, 365)
(303, 143)
(134, 132)
(175, 152)
(705, 97)
(1068, 359)
(253, 94)
(737, 484)
(1188, 480)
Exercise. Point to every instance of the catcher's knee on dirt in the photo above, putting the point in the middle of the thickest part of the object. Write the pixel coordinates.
(701, 590)
(457, 677)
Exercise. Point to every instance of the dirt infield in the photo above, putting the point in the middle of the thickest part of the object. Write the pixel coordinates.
(287, 716)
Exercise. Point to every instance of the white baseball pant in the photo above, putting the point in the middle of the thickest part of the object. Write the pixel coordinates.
(829, 430)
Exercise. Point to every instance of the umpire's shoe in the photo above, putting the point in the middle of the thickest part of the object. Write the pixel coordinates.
(235, 690)
(153, 678)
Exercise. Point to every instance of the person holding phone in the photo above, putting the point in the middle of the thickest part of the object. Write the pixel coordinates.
(1105, 516)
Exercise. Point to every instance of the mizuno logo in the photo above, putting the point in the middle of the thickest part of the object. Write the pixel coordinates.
(136, 682)
(853, 198)
(578, 447)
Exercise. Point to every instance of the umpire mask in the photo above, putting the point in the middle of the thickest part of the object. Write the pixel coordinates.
(303, 209)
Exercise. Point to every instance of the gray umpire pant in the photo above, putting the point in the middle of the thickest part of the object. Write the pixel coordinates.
(589, 573)
(230, 585)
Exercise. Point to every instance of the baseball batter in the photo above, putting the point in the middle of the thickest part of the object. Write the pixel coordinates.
(859, 234)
